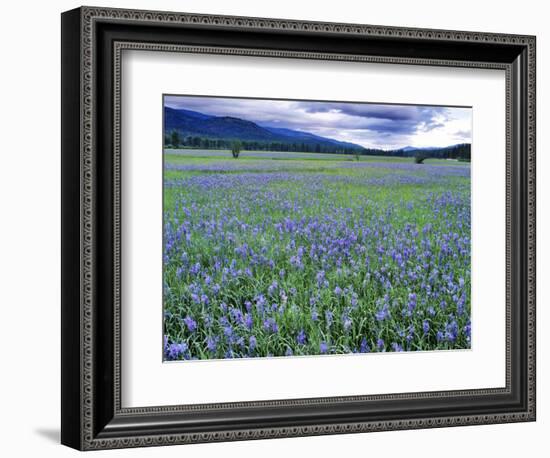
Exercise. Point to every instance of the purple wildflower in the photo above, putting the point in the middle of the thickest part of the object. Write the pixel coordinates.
(425, 327)
(190, 323)
(301, 337)
(212, 343)
(329, 316)
(314, 315)
(364, 347)
(175, 350)
(382, 313)
(396, 347)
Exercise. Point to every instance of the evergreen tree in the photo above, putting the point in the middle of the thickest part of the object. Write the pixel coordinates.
(175, 139)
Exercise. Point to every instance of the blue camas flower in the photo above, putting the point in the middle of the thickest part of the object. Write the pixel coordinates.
(396, 347)
(301, 337)
(252, 342)
(329, 317)
(176, 350)
(212, 343)
(425, 327)
(364, 347)
(190, 323)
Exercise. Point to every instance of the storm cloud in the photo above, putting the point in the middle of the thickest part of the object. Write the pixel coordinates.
(371, 125)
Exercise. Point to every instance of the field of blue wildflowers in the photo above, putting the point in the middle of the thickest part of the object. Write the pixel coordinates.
(311, 255)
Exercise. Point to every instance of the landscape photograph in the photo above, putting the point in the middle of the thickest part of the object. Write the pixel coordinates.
(311, 228)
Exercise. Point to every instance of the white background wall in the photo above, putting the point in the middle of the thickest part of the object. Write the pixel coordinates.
(30, 215)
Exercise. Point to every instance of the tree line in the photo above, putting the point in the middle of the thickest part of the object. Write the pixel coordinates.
(462, 151)
(175, 140)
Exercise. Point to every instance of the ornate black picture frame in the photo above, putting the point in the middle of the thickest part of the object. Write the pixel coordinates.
(92, 42)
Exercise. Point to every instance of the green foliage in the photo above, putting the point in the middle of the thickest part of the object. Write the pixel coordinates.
(175, 139)
(236, 148)
(420, 158)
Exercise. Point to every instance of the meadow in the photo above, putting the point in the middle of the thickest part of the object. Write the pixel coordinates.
(280, 254)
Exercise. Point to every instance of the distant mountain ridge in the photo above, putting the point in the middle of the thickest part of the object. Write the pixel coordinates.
(189, 123)
(298, 134)
(407, 149)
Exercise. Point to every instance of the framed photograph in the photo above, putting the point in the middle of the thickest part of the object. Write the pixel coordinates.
(276, 228)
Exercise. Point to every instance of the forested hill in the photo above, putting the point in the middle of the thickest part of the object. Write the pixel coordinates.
(198, 130)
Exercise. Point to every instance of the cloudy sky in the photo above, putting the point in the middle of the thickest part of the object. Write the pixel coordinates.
(368, 124)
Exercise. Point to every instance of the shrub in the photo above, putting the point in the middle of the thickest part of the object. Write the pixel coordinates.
(420, 158)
